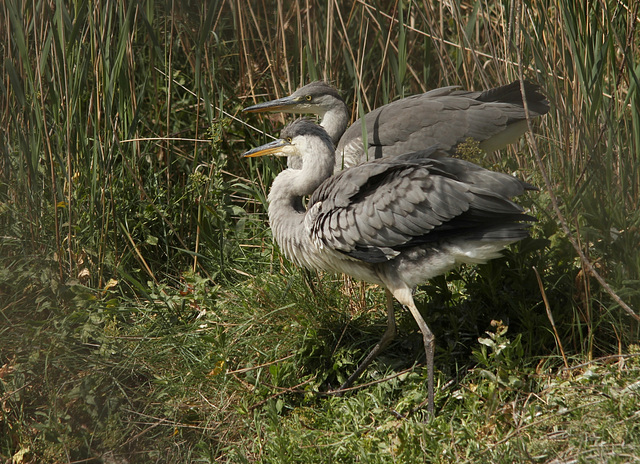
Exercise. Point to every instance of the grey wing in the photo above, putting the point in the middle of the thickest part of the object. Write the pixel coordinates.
(403, 126)
(445, 117)
(500, 183)
(371, 212)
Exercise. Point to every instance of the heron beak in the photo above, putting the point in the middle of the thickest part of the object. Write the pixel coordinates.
(277, 147)
(281, 104)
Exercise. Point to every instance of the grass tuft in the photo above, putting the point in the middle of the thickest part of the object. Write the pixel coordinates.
(148, 317)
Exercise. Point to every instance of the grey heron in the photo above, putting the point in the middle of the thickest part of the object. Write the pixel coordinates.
(396, 222)
(445, 116)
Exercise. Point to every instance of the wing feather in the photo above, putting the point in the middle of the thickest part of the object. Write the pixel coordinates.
(373, 210)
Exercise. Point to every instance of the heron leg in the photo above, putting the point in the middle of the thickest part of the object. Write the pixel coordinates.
(389, 335)
(405, 297)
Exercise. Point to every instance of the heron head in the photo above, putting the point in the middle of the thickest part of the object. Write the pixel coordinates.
(296, 139)
(278, 147)
(315, 98)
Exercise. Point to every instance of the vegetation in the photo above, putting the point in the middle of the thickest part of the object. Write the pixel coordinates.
(147, 316)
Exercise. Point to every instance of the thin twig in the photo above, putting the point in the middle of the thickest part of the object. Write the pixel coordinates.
(220, 110)
(613, 357)
(550, 317)
(253, 368)
(294, 389)
(364, 385)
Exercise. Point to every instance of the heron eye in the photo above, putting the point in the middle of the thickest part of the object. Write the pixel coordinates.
(308, 98)
(289, 139)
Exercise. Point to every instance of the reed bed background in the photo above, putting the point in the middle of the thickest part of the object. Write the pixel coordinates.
(148, 317)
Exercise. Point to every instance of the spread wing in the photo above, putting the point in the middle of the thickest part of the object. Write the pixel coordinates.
(373, 211)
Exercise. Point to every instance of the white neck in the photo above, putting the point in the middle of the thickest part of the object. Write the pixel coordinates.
(286, 211)
(335, 122)
(317, 165)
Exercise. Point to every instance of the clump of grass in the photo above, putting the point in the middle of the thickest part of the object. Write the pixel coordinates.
(148, 315)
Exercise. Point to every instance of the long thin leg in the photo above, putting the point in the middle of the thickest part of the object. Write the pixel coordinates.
(405, 297)
(389, 335)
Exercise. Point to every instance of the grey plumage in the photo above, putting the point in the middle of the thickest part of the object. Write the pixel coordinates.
(446, 116)
(396, 222)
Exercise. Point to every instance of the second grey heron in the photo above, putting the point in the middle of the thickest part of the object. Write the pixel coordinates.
(396, 222)
(445, 116)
